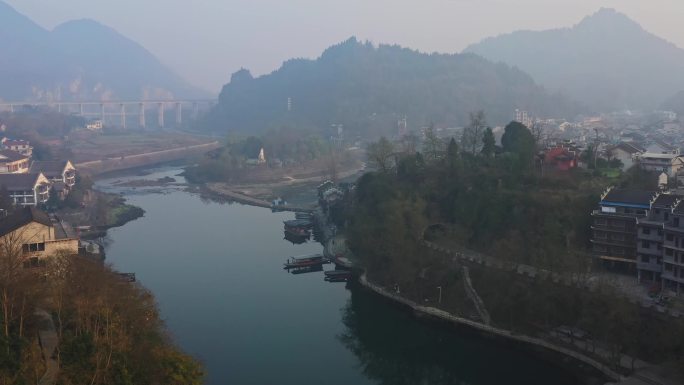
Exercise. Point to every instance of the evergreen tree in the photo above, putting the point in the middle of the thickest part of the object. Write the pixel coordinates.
(488, 143)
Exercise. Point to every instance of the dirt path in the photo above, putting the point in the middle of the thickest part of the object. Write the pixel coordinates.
(48, 342)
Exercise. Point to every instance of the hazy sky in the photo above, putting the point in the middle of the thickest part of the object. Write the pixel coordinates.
(207, 40)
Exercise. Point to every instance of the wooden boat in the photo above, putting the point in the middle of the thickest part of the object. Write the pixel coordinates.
(297, 231)
(337, 273)
(307, 269)
(296, 238)
(303, 216)
(300, 223)
(311, 260)
(340, 278)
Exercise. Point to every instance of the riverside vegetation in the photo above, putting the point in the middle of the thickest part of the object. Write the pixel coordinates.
(495, 201)
(110, 331)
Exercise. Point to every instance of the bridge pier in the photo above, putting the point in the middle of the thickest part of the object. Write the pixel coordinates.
(123, 116)
(160, 117)
(141, 116)
(102, 113)
(80, 109)
(179, 114)
(195, 108)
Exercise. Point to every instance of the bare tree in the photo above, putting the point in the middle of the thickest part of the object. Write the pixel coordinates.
(471, 141)
(539, 133)
(380, 153)
(433, 147)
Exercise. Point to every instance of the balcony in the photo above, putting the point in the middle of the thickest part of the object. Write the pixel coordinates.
(614, 229)
(614, 215)
(672, 228)
(653, 236)
(656, 267)
(653, 250)
(614, 242)
(669, 275)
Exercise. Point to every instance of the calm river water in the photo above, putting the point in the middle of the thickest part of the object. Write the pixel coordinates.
(216, 271)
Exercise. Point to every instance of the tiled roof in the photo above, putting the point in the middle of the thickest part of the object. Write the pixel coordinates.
(18, 181)
(12, 156)
(48, 167)
(666, 200)
(637, 197)
(23, 217)
(631, 148)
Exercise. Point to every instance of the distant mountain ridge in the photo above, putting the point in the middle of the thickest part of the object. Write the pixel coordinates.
(79, 60)
(607, 60)
(368, 88)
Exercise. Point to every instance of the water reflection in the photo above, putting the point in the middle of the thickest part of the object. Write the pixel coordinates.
(393, 348)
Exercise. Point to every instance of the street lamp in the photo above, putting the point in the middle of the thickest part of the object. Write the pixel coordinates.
(439, 300)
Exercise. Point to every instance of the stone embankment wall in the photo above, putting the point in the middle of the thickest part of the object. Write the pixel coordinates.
(102, 166)
(503, 333)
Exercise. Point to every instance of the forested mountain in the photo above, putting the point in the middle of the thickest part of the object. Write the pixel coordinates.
(79, 59)
(368, 88)
(607, 61)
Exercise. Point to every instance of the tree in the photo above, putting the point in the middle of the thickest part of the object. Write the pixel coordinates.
(432, 145)
(517, 140)
(488, 143)
(472, 134)
(380, 153)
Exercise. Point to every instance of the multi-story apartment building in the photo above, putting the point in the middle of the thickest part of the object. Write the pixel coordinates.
(614, 226)
(642, 231)
(673, 254)
(650, 237)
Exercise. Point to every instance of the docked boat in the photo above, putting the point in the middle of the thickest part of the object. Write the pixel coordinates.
(310, 260)
(337, 273)
(303, 216)
(296, 238)
(297, 231)
(298, 223)
(306, 269)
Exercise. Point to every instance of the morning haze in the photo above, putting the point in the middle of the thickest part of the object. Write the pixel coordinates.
(206, 41)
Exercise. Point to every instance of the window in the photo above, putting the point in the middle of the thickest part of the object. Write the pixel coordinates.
(618, 237)
(676, 221)
(668, 267)
(600, 222)
(667, 215)
(600, 235)
(645, 259)
(660, 232)
(645, 244)
(31, 247)
(657, 211)
(669, 237)
(669, 252)
(659, 246)
(646, 231)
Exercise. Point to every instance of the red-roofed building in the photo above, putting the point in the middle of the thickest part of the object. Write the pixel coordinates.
(561, 158)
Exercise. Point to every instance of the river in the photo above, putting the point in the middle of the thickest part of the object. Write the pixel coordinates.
(216, 271)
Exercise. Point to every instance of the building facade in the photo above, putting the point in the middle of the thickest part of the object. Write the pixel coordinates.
(614, 226)
(31, 235)
(26, 189)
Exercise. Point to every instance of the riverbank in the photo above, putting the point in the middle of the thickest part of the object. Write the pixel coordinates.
(102, 166)
(531, 342)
